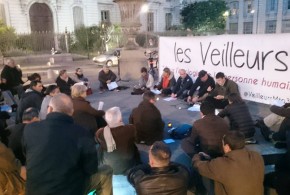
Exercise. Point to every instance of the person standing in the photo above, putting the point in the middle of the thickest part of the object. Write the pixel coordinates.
(63, 159)
(11, 78)
(147, 119)
(238, 172)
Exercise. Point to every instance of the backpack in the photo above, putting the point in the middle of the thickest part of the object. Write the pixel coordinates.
(180, 132)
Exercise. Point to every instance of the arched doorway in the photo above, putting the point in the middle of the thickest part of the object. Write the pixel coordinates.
(41, 18)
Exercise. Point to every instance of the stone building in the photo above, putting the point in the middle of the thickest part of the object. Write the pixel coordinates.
(58, 15)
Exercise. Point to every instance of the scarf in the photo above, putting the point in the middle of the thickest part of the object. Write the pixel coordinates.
(165, 82)
(110, 142)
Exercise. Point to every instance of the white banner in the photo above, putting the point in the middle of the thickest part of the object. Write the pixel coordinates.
(259, 64)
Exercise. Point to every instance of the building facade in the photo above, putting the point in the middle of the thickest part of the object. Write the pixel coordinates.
(60, 15)
(258, 16)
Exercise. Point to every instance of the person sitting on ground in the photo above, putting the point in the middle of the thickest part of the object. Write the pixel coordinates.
(279, 137)
(11, 78)
(30, 115)
(146, 82)
(117, 143)
(106, 76)
(160, 176)
(239, 115)
(147, 119)
(50, 91)
(63, 153)
(280, 178)
(206, 134)
(64, 82)
(33, 98)
(183, 85)
(33, 77)
(167, 82)
(79, 76)
(205, 83)
(238, 172)
(12, 175)
(84, 114)
(224, 87)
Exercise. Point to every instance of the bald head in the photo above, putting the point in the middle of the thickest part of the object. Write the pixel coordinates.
(182, 73)
(62, 103)
(11, 63)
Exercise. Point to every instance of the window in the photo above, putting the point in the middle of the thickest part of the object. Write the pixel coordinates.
(271, 26)
(168, 21)
(105, 16)
(78, 17)
(272, 5)
(233, 28)
(234, 8)
(286, 26)
(249, 6)
(2, 13)
(248, 27)
(150, 22)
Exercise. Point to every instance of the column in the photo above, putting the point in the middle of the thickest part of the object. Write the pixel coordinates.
(241, 17)
(279, 21)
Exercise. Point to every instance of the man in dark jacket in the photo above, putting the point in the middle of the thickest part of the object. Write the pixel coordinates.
(33, 98)
(205, 84)
(167, 82)
(206, 134)
(183, 85)
(106, 76)
(11, 78)
(61, 156)
(224, 87)
(30, 115)
(238, 172)
(161, 176)
(64, 82)
(147, 119)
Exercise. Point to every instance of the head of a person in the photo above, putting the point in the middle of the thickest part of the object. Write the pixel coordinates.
(144, 71)
(34, 77)
(166, 72)
(159, 154)
(207, 108)
(63, 74)
(235, 98)
(79, 71)
(149, 96)
(52, 90)
(113, 116)
(233, 140)
(220, 78)
(182, 73)
(61, 103)
(203, 75)
(30, 115)
(11, 63)
(78, 90)
(36, 86)
(106, 69)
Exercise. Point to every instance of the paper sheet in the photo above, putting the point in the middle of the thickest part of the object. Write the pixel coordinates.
(112, 85)
(194, 108)
(156, 91)
(170, 99)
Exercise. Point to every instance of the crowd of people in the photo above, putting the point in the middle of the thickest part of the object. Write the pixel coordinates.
(61, 144)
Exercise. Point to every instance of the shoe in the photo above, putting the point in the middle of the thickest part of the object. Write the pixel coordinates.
(265, 133)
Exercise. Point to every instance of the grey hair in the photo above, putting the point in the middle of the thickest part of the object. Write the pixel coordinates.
(61, 103)
(77, 90)
(113, 116)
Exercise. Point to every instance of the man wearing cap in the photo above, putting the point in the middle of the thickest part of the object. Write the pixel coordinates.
(205, 83)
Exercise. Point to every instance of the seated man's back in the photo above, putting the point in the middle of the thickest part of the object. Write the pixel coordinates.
(161, 176)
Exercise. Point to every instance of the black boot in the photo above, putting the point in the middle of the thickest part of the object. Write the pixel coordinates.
(265, 131)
